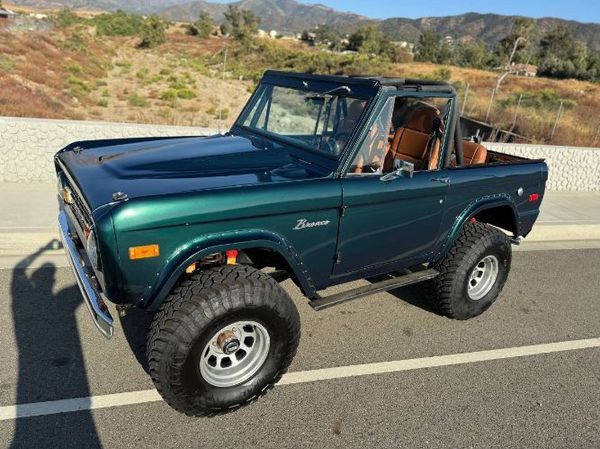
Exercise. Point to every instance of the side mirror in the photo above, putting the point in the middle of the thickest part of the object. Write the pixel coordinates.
(401, 168)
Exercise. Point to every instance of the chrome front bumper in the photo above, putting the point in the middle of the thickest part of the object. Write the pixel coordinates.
(91, 295)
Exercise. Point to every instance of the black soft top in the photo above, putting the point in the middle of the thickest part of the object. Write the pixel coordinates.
(366, 84)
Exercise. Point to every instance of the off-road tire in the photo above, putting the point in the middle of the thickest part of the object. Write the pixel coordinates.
(449, 291)
(198, 307)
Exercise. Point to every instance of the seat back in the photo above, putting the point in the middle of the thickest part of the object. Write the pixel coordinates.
(474, 153)
(411, 142)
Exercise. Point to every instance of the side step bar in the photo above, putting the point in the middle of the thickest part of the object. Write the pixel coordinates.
(382, 286)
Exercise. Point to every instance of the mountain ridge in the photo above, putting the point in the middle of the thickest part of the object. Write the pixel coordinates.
(294, 16)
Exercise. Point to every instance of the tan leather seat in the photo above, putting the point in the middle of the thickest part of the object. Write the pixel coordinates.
(411, 142)
(474, 153)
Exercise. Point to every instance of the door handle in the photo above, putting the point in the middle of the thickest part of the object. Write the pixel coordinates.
(442, 180)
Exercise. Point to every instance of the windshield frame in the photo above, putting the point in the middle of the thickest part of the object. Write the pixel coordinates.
(311, 84)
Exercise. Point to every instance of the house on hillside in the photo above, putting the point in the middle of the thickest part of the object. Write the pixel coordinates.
(528, 70)
(7, 14)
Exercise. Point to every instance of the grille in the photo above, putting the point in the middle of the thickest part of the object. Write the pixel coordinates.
(80, 211)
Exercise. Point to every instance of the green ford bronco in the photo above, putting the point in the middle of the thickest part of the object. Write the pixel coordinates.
(322, 180)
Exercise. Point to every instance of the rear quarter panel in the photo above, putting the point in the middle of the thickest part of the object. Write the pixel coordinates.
(475, 187)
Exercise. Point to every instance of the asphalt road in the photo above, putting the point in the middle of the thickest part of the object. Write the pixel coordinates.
(51, 351)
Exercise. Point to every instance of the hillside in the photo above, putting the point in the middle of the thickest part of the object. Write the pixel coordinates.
(290, 15)
(282, 15)
(489, 28)
(74, 73)
(138, 6)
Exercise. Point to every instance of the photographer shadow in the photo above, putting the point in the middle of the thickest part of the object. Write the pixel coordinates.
(50, 357)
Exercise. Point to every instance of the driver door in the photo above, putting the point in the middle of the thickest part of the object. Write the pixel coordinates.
(388, 222)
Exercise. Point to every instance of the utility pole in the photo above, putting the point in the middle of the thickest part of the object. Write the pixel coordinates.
(464, 105)
(222, 93)
(560, 109)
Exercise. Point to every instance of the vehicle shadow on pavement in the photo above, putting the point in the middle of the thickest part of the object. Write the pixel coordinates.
(50, 358)
(412, 294)
(135, 328)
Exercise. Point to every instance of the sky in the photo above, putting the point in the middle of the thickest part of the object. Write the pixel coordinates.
(580, 10)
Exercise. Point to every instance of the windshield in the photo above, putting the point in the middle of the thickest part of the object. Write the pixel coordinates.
(322, 122)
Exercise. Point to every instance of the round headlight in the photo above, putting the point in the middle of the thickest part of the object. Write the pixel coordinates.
(92, 249)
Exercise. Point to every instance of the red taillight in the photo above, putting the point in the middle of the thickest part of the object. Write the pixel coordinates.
(534, 197)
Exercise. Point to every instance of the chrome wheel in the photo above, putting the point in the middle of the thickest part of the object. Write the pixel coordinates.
(483, 277)
(235, 354)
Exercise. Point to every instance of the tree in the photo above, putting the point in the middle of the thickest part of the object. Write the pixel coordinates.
(472, 54)
(525, 34)
(203, 27)
(242, 24)
(429, 46)
(324, 35)
(153, 32)
(561, 56)
(366, 40)
(395, 53)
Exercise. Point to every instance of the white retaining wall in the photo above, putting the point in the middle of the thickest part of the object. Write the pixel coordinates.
(571, 169)
(27, 147)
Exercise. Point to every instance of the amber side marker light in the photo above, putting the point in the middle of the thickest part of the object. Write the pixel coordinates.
(144, 252)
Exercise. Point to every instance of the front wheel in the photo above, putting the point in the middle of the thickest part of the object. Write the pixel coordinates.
(222, 339)
(473, 272)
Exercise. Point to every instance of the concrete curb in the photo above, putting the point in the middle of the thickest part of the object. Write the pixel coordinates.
(564, 232)
(19, 244)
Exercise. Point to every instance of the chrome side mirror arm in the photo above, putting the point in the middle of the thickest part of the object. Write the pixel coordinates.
(402, 168)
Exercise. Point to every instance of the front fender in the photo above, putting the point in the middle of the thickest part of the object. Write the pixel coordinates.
(176, 264)
(473, 208)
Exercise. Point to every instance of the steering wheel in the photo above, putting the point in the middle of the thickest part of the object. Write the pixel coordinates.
(331, 145)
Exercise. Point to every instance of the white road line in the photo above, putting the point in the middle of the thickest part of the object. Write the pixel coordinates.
(12, 412)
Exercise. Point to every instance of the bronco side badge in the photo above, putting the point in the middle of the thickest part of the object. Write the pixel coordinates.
(303, 223)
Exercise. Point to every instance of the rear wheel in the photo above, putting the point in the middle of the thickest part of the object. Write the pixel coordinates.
(222, 339)
(473, 272)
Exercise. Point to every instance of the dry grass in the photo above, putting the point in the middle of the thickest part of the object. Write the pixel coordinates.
(74, 74)
(577, 126)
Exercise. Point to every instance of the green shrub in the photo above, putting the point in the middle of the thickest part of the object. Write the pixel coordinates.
(66, 18)
(103, 103)
(124, 64)
(203, 27)
(153, 79)
(6, 65)
(546, 98)
(106, 93)
(74, 68)
(118, 23)
(138, 101)
(153, 32)
(78, 87)
(170, 96)
(186, 94)
(76, 42)
(142, 73)
(164, 72)
(101, 83)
